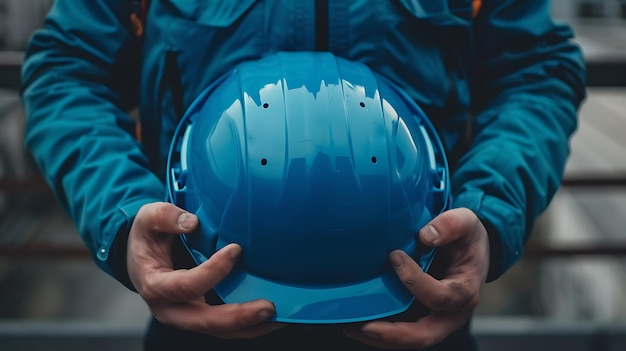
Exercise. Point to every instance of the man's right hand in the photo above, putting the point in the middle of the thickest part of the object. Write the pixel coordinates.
(176, 296)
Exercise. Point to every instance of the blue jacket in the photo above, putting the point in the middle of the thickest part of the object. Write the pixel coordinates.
(502, 87)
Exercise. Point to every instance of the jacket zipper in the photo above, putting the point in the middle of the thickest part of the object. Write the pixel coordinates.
(321, 25)
(172, 77)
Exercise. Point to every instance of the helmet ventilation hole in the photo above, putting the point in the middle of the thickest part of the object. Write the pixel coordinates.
(266, 105)
(362, 104)
(264, 161)
(374, 159)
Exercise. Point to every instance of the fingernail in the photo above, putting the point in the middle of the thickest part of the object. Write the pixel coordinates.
(265, 314)
(396, 258)
(186, 221)
(234, 251)
(429, 234)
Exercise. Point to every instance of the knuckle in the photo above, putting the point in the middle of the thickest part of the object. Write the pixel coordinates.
(242, 317)
(461, 290)
(441, 299)
(456, 287)
(207, 327)
(250, 318)
(407, 274)
(152, 214)
(159, 213)
(458, 222)
(409, 282)
(468, 218)
(455, 221)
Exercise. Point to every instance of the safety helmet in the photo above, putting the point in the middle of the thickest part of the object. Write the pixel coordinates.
(318, 167)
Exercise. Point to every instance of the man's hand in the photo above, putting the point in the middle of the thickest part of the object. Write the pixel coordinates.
(176, 297)
(463, 258)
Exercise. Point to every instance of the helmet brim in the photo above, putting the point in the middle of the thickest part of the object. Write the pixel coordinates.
(379, 297)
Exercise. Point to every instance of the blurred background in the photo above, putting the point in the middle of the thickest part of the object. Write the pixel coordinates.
(568, 291)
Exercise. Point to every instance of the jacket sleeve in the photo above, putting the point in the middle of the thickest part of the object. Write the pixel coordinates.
(80, 77)
(527, 87)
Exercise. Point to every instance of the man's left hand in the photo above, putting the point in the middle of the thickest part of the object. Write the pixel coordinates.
(463, 256)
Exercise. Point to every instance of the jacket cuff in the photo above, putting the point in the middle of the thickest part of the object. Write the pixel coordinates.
(505, 228)
(117, 259)
(111, 254)
(495, 251)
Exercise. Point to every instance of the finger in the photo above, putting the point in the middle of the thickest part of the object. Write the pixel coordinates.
(448, 227)
(425, 332)
(188, 284)
(228, 320)
(437, 295)
(163, 217)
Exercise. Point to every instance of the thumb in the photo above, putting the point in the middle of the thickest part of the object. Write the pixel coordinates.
(164, 217)
(448, 227)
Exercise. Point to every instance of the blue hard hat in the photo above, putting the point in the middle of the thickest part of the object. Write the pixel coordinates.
(319, 168)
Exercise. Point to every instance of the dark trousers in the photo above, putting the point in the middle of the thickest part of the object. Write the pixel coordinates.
(293, 337)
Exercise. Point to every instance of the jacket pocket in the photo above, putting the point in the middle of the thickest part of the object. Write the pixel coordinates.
(208, 38)
(451, 13)
(214, 13)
